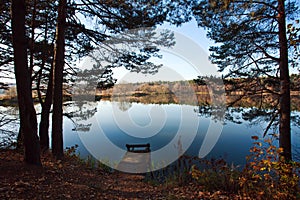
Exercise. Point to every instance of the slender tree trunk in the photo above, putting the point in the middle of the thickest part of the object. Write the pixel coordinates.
(44, 123)
(285, 110)
(58, 66)
(44, 129)
(46, 104)
(28, 121)
(31, 46)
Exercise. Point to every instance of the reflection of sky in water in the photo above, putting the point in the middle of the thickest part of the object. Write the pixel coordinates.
(233, 144)
(141, 123)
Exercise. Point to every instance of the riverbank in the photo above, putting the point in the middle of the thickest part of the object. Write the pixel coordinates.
(72, 179)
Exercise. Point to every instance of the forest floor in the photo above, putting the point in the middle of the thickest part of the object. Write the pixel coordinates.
(71, 179)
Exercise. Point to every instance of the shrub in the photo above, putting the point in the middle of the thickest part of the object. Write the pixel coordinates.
(217, 175)
(267, 175)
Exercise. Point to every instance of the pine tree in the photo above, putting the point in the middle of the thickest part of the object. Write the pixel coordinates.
(252, 43)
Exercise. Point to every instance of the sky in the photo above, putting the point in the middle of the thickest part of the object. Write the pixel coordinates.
(185, 61)
(192, 31)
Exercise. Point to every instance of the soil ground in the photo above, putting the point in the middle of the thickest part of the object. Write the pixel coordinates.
(70, 179)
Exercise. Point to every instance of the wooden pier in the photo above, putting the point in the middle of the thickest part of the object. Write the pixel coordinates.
(137, 159)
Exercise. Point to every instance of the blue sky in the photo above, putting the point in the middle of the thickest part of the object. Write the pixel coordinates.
(187, 60)
(192, 31)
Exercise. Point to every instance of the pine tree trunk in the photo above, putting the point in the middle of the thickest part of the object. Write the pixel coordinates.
(44, 128)
(285, 110)
(46, 104)
(45, 114)
(58, 66)
(28, 120)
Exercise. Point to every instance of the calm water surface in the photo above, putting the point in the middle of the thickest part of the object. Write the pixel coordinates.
(169, 128)
(118, 123)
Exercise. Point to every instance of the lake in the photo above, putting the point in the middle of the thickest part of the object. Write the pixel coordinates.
(103, 128)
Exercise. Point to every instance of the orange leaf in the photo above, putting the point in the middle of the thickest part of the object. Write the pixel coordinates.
(254, 137)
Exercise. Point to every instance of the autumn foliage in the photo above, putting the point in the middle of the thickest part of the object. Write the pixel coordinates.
(266, 175)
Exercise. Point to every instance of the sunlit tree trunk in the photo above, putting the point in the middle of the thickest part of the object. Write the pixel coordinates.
(58, 66)
(28, 120)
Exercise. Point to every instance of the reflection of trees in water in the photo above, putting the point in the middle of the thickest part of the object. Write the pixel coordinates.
(155, 99)
(154, 93)
(254, 116)
(125, 102)
(122, 104)
(125, 94)
(79, 112)
(168, 98)
(213, 112)
(9, 126)
(255, 110)
(238, 115)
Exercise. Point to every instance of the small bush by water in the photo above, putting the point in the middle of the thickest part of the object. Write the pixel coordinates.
(266, 174)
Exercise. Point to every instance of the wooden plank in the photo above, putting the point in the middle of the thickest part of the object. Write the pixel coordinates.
(138, 148)
(133, 162)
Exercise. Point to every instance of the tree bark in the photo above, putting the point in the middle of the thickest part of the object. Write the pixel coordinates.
(31, 46)
(46, 104)
(44, 123)
(285, 110)
(28, 120)
(58, 66)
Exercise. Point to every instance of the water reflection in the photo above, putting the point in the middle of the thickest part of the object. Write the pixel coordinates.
(9, 124)
(89, 118)
(82, 119)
